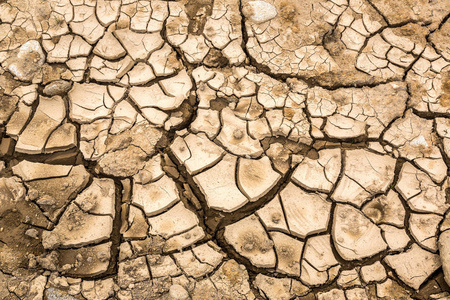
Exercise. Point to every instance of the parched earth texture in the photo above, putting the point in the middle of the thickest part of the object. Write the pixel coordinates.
(225, 149)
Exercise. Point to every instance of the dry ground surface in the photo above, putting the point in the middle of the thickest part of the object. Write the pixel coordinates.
(225, 149)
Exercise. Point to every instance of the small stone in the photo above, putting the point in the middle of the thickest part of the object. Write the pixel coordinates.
(259, 11)
(28, 61)
(32, 233)
(58, 87)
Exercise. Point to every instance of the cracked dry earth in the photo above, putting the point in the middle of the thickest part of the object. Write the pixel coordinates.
(225, 149)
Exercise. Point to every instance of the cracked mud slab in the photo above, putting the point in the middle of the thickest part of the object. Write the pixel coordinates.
(225, 149)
